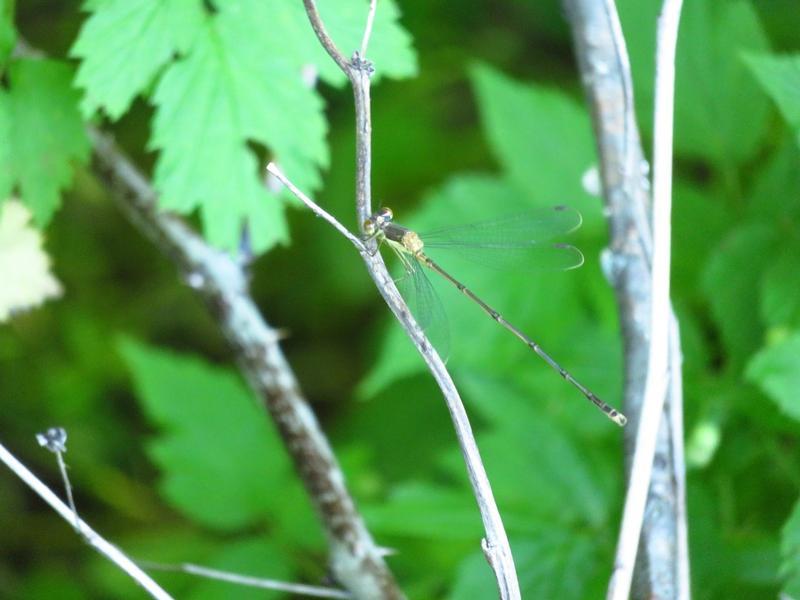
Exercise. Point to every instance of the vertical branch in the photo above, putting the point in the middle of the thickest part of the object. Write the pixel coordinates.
(662, 567)
(495, 545)
(360, 72)
(660, 314)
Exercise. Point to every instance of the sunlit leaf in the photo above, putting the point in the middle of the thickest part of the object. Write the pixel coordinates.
(124, 43)
(222, 80)
(24, 265)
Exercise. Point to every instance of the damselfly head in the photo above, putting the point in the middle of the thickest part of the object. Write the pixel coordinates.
(378, 220)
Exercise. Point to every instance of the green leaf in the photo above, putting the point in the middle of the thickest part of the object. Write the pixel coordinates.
(209, 105)
(222, 463)
(718, 113)
(779, 76)
(776, 370)
(780, 293)
(41, 134)
(237, 80)
(426, 511)
(546, 478)
(733, 290)
(693, 205)
(719, 116)
(124, 44)
(776, 188)
(790, 551)
(527, 126)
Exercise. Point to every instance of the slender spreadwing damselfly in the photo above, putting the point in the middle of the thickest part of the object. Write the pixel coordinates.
(524, 238)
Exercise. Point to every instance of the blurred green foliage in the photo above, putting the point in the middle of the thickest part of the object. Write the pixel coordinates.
(477, 113)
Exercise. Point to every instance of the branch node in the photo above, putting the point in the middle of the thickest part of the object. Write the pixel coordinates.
(362, 64)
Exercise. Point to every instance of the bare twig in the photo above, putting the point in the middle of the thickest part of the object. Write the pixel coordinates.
(373, 4)
(94, 539)
(355, 560)
(316, 208)
(324, 38)
(660, 313)
(605, 70)
(55, 440)
(256, 582)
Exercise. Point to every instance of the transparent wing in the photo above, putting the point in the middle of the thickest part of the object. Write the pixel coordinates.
(540, 257)
(530, 227)
(426, 306)
(518, 241)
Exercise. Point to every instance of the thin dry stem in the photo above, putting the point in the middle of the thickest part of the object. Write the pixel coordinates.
(373, 4)
(244, 580)
(93, 538)
(275, 171)
(324, 38)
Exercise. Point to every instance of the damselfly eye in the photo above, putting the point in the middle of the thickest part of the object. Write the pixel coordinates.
(386, 213)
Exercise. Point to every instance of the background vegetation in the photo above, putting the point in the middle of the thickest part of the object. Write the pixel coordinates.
(478, 112)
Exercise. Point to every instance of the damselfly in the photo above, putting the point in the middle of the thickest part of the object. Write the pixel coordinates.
(523, 237)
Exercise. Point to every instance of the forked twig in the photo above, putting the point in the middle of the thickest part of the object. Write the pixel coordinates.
(495, 545)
